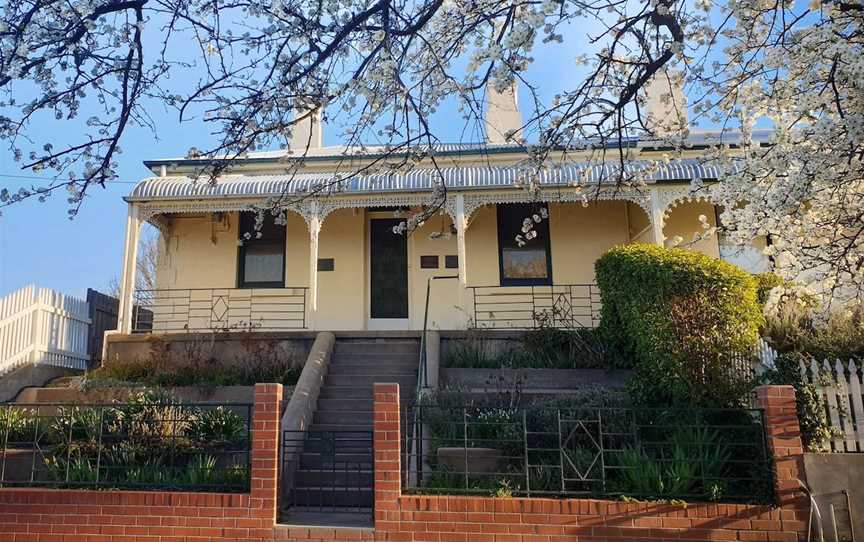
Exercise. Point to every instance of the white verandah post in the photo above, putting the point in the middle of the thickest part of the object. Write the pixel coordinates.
(657, 217)
(314, 231)
(130, 261)
(460, 240)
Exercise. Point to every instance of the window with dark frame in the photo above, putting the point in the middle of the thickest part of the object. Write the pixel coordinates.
(531, 263)
(261, 258)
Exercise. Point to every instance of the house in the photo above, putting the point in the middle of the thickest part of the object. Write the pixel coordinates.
(335, 263)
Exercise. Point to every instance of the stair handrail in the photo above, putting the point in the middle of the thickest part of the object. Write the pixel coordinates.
(422, 378)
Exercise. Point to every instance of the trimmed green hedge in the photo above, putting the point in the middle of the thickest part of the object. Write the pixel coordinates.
(682, 316)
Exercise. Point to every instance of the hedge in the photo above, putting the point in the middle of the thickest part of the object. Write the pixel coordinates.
(684, 318)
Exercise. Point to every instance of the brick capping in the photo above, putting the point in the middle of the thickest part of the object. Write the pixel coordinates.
(57, 515)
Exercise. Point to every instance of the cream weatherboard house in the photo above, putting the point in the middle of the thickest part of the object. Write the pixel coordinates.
(336, 263)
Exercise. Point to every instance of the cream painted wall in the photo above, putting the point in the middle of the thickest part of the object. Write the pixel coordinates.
(198, 253)
(445, 301)
(683, 221)
(580, 235)
(296, 251)
(342, 292)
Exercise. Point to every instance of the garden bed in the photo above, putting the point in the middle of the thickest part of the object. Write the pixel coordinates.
(531, 380)
(149, 441)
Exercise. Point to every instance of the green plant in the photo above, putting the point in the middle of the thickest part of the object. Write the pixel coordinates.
(544, 347)
(816, 429)
(73, 471)
(792, 325)
(685, 319)
(201, 471)
(690, 464)
(765, 282)
(504, 489)
(217, 426)
(21, 425)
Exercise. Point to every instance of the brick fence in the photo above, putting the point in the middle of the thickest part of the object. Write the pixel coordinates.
(405, 518)
(56, 515)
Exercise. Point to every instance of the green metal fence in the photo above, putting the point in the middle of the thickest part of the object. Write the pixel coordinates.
(689, 454)
(144, 444)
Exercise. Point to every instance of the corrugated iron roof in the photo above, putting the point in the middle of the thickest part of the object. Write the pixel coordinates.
(418, 180)
(694, 140)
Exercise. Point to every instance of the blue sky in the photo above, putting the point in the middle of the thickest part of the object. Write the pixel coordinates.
(39, 244)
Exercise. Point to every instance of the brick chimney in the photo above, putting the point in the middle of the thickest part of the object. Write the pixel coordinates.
(665, 111)
(502, 115)
(307, 132)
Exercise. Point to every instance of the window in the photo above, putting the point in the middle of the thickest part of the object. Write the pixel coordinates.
(262, 259)
(530, 263)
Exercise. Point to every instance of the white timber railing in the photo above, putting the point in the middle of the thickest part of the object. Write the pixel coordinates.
(838, 384)
(39, 325)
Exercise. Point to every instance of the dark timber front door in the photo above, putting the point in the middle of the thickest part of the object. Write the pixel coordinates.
(388, 268)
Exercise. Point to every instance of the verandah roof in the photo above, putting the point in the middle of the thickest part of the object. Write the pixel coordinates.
(418, 180)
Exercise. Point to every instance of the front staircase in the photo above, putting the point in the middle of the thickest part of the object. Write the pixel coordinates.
(334, 471)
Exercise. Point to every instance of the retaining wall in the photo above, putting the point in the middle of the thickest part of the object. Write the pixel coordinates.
(50, 515)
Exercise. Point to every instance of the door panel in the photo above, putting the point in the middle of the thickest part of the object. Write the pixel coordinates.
(388, 269)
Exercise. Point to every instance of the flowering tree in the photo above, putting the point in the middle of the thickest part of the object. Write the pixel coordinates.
(382, 68)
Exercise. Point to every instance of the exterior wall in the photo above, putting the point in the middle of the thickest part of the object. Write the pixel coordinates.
(424, 518)
(342, 292)
(445, 300)
(198, 253)
(683, 220)
(580, 235)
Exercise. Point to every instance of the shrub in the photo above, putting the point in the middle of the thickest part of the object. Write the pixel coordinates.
(765, 282)
(684, 318)
(792, 326)
(545, 347)
(690, 465)
(816, 430)
(220, 425)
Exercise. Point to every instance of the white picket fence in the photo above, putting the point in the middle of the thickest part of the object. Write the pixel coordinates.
(839, 387)
(39, 325)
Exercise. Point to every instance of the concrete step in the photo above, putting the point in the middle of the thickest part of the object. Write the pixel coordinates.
(351, 404)
(354, 497)
(406, 382)
(379, 346)
(375, 360)
(340, 476)
(321, 460)
(340, 427)
(364, 392)
(346, 392)
(379, 369)
(330, 516)
(343, 417)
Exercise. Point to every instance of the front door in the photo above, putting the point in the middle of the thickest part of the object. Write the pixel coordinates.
(388, 271)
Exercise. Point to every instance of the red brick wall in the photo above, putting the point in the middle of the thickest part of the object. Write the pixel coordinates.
(46, 515)
(405, 518)
(57, 515)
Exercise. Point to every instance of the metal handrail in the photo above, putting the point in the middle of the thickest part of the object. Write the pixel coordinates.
(422, 371)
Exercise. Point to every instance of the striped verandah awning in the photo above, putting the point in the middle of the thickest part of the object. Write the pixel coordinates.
(422, 180)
